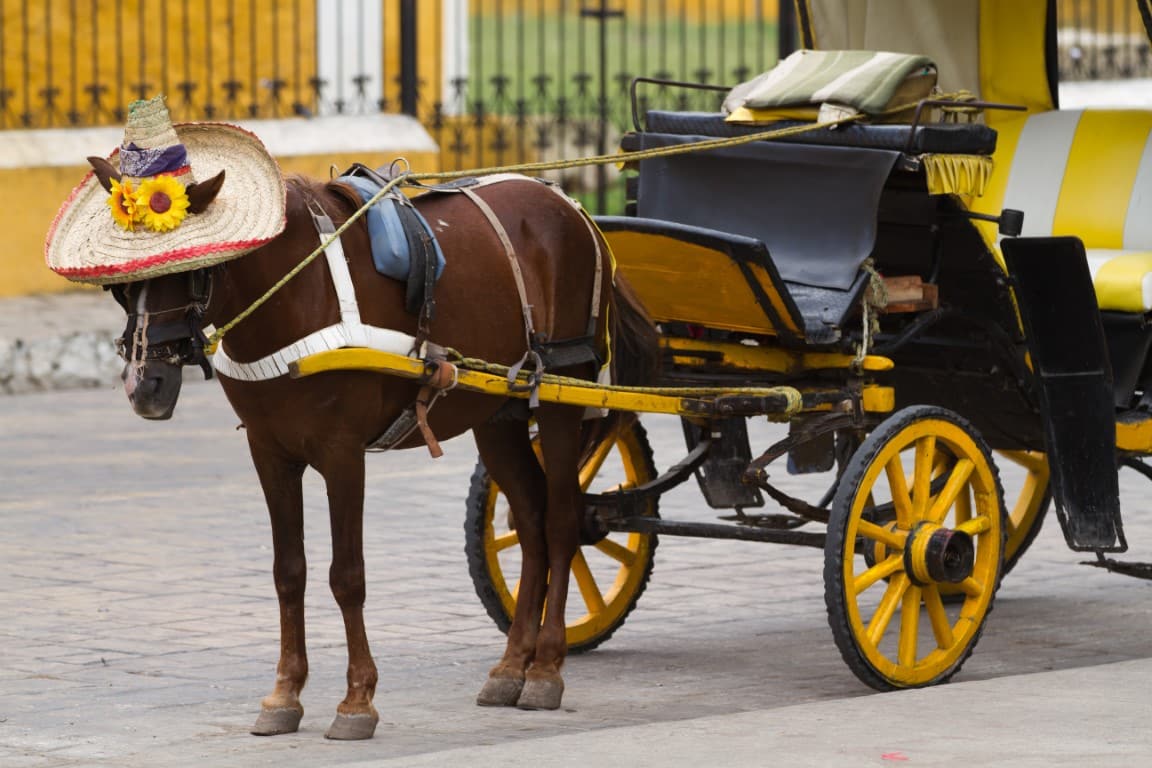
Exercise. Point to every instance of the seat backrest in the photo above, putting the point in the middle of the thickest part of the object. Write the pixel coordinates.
(1086, 173)
(998, 49)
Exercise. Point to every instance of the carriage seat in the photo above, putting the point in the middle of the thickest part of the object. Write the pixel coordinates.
(1086, 173)
(941, 138)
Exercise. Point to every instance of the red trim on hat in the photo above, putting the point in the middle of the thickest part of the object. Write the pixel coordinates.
(181, 254)
(60, 213)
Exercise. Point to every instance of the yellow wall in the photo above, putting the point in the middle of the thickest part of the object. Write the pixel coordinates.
(30, 197)
(119, 50)
(713, 10)
(100, 48)
(1111, 15)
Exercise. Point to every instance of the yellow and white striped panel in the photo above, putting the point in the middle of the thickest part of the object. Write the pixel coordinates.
(1086, 173)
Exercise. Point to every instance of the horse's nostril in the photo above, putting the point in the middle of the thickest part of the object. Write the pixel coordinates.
(149, 385)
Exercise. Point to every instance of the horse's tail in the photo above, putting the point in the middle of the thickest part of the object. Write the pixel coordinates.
(635, 341)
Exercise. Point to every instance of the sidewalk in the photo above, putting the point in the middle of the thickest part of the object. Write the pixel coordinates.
(1094, 716)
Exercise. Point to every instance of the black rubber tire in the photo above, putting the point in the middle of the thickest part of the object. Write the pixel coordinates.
(836, 600)
(478, 518)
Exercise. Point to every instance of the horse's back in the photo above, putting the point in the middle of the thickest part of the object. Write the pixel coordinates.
(555, 249)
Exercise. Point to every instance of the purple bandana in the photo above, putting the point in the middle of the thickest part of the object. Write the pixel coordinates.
(140, 163)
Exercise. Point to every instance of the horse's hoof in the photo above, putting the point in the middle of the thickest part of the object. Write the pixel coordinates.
(500, 692)
(277, 720)
(542, 694)
(353, 727)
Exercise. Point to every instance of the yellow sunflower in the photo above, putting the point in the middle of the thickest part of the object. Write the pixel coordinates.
(161, 203)
(123, 204)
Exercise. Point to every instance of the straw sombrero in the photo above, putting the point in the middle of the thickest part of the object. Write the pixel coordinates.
(149, 219)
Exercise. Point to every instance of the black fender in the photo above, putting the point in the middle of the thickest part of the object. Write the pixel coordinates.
(1065, 337)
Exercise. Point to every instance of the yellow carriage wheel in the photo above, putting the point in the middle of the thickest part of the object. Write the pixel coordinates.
(886, 609)
(1027, 514)
(608, 574)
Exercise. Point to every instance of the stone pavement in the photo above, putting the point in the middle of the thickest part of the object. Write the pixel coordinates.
(140, 626)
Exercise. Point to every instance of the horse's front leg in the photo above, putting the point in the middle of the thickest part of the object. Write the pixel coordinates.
(343, 472)
(280, 712)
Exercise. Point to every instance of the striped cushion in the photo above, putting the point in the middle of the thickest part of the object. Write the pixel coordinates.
(867, 81)
(1123, 279)
(1087, 174)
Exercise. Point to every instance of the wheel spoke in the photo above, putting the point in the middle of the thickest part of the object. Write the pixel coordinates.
(941, 626)
(617, 552)
(976, 525)
(591, 468)
(957, 482)
(922, 475)
(887, 608)
(587, 584)
(898, 484)
(875, 573)
(909, 627)
(890, 539)
(505, 540)
(964, 507)
(1035, 462)
(971, 587)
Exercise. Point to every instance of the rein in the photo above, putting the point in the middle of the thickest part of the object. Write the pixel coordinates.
(407, 177)
(617, 158)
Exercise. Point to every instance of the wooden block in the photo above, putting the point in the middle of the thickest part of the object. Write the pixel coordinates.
(908, 293)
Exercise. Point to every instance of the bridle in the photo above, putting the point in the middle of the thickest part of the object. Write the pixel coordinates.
(151, 336)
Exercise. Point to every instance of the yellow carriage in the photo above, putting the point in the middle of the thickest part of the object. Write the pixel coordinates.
(921, 282)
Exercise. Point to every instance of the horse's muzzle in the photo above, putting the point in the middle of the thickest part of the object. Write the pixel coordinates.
(153, 388)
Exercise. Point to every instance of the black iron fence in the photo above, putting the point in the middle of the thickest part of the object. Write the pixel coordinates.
(1102, 40)
(495, 81)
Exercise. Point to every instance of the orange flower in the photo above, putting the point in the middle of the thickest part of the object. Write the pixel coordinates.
(161, 203)
(123, 204)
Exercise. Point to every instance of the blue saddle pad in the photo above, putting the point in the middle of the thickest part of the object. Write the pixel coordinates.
(390, 251)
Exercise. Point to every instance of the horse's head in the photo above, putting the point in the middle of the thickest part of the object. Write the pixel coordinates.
(163, 335)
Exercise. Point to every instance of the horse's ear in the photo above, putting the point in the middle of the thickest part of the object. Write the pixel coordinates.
(105, 173)
(202, 193)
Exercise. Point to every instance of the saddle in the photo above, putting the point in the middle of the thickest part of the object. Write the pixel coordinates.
(403, 245)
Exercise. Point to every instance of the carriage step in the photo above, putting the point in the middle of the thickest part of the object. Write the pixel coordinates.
(721, 476)
(1135, 570)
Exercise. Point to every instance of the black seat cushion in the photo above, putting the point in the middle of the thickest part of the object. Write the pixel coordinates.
(949, 138)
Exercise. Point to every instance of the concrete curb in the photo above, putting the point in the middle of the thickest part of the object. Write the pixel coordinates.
(59, 341)
(71, 361)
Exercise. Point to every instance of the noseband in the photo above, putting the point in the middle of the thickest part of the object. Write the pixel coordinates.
(151, 336)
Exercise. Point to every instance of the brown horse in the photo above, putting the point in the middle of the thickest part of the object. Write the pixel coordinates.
(327, 420)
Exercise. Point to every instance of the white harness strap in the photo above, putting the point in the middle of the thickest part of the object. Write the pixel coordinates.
(349, 332)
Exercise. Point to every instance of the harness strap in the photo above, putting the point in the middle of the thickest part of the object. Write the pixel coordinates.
(598, 281)
(526, 308)
(531, 355)
(349, 332)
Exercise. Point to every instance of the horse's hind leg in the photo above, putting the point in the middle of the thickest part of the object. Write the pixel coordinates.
(343, 473)
(507, 454)
(280, 712)
(560, 441)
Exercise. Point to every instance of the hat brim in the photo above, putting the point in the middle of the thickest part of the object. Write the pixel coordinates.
(86, 245)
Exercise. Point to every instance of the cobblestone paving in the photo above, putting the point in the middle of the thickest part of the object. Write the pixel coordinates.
(140, 621)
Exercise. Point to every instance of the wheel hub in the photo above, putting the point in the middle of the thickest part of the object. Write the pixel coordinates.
(935, 555)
